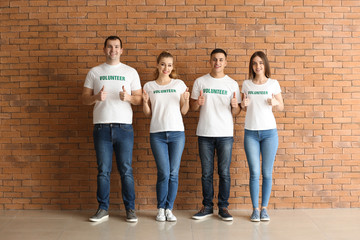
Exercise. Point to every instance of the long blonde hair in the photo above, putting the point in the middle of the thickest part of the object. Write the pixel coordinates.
(162, 55)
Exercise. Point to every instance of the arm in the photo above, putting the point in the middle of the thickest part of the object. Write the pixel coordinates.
(235, 106)
(88, 97)
(277, 102)
(146, 106)
(196, 104)
(135, 98)
(184, 102)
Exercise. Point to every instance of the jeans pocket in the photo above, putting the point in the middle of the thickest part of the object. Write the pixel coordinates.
(126, 127)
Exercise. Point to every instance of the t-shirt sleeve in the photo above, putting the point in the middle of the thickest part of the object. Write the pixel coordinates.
(89, 80)
(196, 90)
(237, 92)
(182, 87)
(277, 88)
(135, 83)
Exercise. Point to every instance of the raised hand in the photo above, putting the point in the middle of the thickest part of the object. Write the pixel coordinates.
(124, 96)
(245, 101)
(186, 95)
(201, 99)
(273, 101)
(101, 96)
(234, 102)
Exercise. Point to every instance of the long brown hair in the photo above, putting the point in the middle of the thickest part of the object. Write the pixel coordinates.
(162, 55)
(265, 60)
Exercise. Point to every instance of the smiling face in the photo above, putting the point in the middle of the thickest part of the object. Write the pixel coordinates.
(218, 63)
(165, 66)
(258, 66)
(113, 51)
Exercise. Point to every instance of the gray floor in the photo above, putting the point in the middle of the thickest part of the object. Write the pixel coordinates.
(302, 224)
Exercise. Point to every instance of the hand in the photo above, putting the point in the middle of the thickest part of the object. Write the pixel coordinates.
(273, 101)
(201, 99)
(234, 102)
(145, 96)
(124, 96)
(245, 102)
(186, 95)
(101, 96)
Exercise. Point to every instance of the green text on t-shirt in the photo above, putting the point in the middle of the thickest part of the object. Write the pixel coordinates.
(165, 91)
(258, 92)
(117, 78)
(215, 91)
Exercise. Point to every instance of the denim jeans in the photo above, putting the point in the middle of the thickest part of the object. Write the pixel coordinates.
(264, 142)
(167, 148)
(120, 139)
(223, 147)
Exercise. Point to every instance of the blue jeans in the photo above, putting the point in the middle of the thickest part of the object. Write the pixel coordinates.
(264, 142)
(223, 147)
(120, 139)
(167, 148)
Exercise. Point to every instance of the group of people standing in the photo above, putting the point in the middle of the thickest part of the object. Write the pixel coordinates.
(113, 87)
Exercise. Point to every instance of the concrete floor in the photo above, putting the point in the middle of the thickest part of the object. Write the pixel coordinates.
(304, 224)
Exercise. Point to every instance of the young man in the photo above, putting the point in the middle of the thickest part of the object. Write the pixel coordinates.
(113, 87)
(218, 98)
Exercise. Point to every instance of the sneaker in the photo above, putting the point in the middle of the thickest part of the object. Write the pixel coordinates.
(131, 216)
(255, 217)
(170, 216)
(264, 216)
(224, 214)
(203, 213)
(100, 215)
(160, 217)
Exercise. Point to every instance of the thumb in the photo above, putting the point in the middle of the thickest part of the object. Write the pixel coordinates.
(187, 90)
(144, 91)
(245, 95)
(103, 88)
(201, 93)
(273, 96)
(123, 88)
(234, 95)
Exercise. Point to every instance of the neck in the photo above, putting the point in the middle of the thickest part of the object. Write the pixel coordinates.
(217, 74)
(162, 80)
(112, 62)
(260, 79)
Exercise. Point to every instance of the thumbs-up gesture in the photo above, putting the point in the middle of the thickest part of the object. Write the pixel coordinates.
(201, 99)
(145, 96)
(234, 102)
(273, 101)
(245, 102)
(101, 96)
(186, 95)
(124, 96)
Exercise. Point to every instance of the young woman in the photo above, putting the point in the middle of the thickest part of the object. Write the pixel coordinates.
(166, 99)
(260, 95)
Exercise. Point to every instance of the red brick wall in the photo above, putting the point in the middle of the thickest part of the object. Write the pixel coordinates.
(47, 159)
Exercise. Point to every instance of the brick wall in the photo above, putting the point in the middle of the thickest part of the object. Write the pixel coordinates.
(47, 159)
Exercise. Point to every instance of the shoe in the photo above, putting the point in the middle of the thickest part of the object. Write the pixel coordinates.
(100, 215)
(160, 217)
(255, 217)
(131, 215)
(170, 216)
(203, 213)
(264, 216)
(224, 214)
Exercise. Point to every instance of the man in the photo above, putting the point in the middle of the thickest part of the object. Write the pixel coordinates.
(113, 87)
(218, 98)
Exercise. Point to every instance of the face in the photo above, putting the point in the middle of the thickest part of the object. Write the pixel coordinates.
(113, 50)
(218, 62)
(165, 66)
(258, 66)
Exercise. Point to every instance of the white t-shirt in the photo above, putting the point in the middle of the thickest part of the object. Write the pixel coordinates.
(165, 105)
(259, 114)
(215, 119)
(113, 77)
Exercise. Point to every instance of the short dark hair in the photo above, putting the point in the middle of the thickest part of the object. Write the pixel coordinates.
(218, 50)
(112, 38)
(264, 58)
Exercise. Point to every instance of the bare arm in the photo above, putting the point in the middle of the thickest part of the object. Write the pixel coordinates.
(88, 97)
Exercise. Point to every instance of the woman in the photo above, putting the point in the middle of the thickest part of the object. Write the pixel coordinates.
(166, 99)
(259, 96)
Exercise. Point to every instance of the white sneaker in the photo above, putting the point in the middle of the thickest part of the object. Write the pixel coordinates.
(161, 215)
(170, 216)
